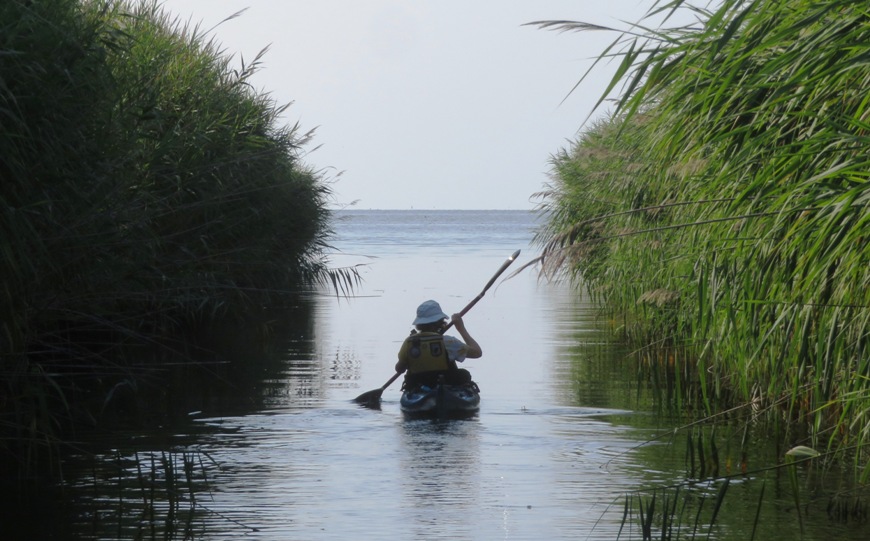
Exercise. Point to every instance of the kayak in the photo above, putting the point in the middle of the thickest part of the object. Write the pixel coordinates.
(441, 401)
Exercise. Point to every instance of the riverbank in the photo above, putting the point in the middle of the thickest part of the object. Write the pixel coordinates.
(721, 211)
(147, 190)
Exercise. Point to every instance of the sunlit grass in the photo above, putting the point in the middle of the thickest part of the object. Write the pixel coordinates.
(724, 204)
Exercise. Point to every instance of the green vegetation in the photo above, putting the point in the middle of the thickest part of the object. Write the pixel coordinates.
(146, 188)
(722, 210)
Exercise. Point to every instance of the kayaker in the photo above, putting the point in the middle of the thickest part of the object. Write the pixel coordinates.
(427, 354)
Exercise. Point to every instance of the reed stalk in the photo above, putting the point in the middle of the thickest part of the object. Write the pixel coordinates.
(723, 204)
(146, 188)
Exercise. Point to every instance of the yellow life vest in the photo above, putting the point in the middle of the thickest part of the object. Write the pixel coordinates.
(425, 352)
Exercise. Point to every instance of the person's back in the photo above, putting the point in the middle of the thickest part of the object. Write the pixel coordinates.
(429, 356)
(425, 356)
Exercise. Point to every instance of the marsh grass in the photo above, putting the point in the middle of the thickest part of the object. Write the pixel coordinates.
(146, 188)
(751, 444)
(723, 205)
(668, 514)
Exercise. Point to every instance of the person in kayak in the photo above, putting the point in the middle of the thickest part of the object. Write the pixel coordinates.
(427, 354)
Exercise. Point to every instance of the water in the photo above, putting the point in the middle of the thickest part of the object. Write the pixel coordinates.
(564, 431)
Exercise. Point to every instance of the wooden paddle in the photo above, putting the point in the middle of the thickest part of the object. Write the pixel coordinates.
(373, 398)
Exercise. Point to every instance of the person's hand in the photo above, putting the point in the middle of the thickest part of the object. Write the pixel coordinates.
(473, 350)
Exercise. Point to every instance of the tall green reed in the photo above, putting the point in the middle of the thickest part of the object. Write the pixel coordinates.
(732, 215)
(146, 186)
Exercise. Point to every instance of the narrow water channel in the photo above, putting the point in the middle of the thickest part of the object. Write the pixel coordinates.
(566, 428)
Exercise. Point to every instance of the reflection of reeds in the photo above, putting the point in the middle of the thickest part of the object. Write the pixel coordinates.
(677, 510)
(724, 206)
(151, 495)
(665, 513)
(749, 443)
(847, 508)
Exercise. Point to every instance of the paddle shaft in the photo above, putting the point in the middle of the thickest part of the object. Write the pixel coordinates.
(488, 285)
(391, 380)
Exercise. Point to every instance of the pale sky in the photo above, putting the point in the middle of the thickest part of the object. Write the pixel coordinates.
(425, 104)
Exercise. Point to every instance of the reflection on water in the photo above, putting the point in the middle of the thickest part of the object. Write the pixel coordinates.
(279, 451)
(441, 477)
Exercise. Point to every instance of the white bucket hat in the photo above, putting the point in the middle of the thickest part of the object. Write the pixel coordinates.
(429, 312)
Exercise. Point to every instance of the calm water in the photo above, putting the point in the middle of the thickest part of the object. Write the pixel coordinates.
(565, 428)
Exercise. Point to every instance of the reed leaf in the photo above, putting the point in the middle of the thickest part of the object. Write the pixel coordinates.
(759, 113)
(147, 187)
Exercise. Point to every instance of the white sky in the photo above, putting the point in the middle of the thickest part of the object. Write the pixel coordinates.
(427, 104)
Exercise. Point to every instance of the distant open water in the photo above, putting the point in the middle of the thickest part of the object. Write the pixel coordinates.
(398, 231)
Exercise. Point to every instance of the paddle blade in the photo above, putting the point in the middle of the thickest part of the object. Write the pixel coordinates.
(370, 399)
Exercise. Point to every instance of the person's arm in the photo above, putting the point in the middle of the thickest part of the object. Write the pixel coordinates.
(402, 365)
(473, 350)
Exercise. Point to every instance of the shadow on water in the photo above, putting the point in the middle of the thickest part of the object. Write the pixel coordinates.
(138, 472)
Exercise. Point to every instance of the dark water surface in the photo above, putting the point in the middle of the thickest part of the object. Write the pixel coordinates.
(564, 432)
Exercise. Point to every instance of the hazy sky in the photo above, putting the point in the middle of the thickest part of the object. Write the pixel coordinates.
(447, 104)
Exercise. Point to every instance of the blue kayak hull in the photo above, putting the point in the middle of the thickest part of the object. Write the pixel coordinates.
(441, 400)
